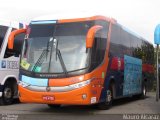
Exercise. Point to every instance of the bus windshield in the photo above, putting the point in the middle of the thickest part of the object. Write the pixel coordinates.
(56, 48)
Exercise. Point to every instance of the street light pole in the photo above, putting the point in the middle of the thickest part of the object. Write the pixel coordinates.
(157, 90)
(157, 41)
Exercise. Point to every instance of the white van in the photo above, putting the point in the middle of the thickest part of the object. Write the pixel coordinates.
(9, 62)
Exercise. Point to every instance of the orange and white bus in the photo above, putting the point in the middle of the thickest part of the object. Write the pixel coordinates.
(82, 61)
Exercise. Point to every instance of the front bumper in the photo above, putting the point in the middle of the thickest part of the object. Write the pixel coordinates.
(73, 97)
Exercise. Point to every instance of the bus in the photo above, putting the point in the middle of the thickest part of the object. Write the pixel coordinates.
(82, 61)
(9, 62)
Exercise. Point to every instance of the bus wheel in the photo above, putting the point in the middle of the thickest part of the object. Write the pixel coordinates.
(54, 106)
(109, 98)
(7, 94)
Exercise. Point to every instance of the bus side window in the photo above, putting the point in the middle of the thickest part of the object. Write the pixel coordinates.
(3, 30)
(17, 47)
(116, 43)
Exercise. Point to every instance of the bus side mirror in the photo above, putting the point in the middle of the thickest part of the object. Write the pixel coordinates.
(12, 37)
(90, 35)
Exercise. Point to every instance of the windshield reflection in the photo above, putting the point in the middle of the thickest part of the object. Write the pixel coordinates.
(42, 54)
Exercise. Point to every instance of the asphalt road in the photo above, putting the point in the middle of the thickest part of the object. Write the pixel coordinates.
(127, 106)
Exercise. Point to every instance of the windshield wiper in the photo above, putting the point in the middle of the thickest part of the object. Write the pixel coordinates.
(42, 57)
(58, 53)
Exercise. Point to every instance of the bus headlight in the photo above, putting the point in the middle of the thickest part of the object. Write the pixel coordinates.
(80, 84)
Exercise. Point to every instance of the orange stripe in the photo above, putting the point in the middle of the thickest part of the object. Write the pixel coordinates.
(84, 19)
(65, 81)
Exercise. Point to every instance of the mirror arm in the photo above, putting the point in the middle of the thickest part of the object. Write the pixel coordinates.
(90, 35)
(12, 36)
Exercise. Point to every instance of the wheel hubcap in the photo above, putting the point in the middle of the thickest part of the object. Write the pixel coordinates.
(109, 96)
(7, 93)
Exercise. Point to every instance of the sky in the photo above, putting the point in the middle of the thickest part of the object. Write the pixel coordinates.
(140, 16)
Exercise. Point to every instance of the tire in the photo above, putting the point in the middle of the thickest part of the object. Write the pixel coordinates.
(7, 94)
(54, 106)
(109, 99)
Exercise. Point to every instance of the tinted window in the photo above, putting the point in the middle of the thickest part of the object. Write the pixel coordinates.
(100, 41)
(126, 41)
(3, 30)
(17, 46)
(48, 30)
(116, 41)
(147, 52)
(136, 44)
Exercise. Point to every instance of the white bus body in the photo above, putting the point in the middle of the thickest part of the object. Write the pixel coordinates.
(9, 64)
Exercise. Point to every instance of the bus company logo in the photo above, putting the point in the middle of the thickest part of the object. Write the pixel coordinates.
(3, 64)
(12, 65)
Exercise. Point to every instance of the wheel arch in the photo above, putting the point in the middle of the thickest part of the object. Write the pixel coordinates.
(9, 77)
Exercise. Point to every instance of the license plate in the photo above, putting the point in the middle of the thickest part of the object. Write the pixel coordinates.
(48, 98)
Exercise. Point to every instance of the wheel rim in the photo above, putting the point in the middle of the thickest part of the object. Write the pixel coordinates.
(7, 93)
(109, 96)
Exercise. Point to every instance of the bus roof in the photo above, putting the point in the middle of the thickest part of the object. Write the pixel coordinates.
(64, 16)
(84, 16)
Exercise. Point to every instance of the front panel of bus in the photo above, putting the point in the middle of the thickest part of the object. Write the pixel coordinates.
(57, 68)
